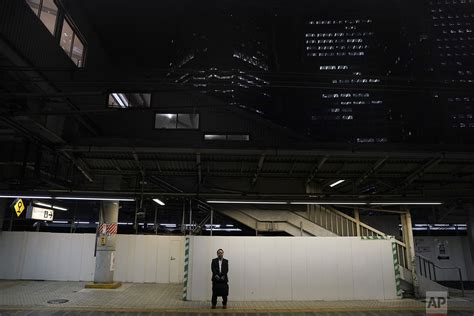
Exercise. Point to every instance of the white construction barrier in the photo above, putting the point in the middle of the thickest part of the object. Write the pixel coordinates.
(295, 268)
(70, 257)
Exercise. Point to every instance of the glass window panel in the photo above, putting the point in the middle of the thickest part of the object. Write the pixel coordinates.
(214, 137)
(238, 137)
(118, 100)
(77, 51)
(66, 37)
(34, 5)
(165, 121)
(139, 99)
(188, 121)
(126, 100)
(48, 14)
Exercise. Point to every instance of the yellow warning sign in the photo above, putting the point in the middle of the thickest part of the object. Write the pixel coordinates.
(103, 240)
(18, 206)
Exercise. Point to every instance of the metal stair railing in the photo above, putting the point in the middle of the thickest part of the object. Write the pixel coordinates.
(344, 225)
(427, 269)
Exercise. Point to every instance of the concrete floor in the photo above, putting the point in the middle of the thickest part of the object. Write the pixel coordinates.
(31, 298)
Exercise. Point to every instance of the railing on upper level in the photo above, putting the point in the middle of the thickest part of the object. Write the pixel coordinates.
(344, 225)
(427, 268)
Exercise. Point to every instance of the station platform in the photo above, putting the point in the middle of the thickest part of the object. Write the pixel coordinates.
(71, 298)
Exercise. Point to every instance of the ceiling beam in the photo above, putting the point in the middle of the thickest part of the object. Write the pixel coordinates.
(370, 171)
(316, 169)
(81, 165)
(198, 167)
(259, 169)
(138, 164)
(418, 173)
(450, 154)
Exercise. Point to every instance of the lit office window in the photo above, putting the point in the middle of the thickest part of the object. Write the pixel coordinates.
(176, 121)
(72, 44)
(188, 121)
(128, 100)
(66, 37)
(47, 11)
(48, 14)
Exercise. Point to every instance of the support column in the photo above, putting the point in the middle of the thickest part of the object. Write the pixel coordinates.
(410, 244)
(107, 239)
(470, 231)
(312, 188)
(357, 218)
(106, 244)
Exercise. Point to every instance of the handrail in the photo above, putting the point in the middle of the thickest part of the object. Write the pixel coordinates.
(372, 229)
(367, 230)
(434, 265)
(341, 214)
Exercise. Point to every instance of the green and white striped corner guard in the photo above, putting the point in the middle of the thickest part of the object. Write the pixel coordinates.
(396, 266)
(186, 268)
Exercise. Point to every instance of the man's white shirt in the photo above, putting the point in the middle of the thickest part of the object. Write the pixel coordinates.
(220, 266)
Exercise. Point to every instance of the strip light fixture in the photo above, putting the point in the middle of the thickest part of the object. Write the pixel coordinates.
(319, 202)
(336, 183)
(80, 198)
(405, 203)
(47, 197)
(159, 201)
(51, 206)
(244, 202)
(26, 197)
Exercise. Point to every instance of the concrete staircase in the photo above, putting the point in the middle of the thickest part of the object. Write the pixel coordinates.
(275, 221)
(320, 220)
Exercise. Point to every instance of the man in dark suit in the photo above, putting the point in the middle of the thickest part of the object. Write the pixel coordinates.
(220, 286)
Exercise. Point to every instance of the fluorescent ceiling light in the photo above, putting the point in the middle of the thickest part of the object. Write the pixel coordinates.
(336, 183)
(25, 197)
(406, 203)
(93, 198)
(124, 99)
(245, 202)
(159, 201)
(120, 99)
(328, 203)
(51, 206)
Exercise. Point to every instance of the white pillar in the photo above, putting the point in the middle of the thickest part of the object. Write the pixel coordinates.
(410, 244)
(106, 241)
(106, 245)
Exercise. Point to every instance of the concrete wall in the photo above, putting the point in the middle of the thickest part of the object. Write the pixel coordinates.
(459, 255)
(295, 268)
(70, 257)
